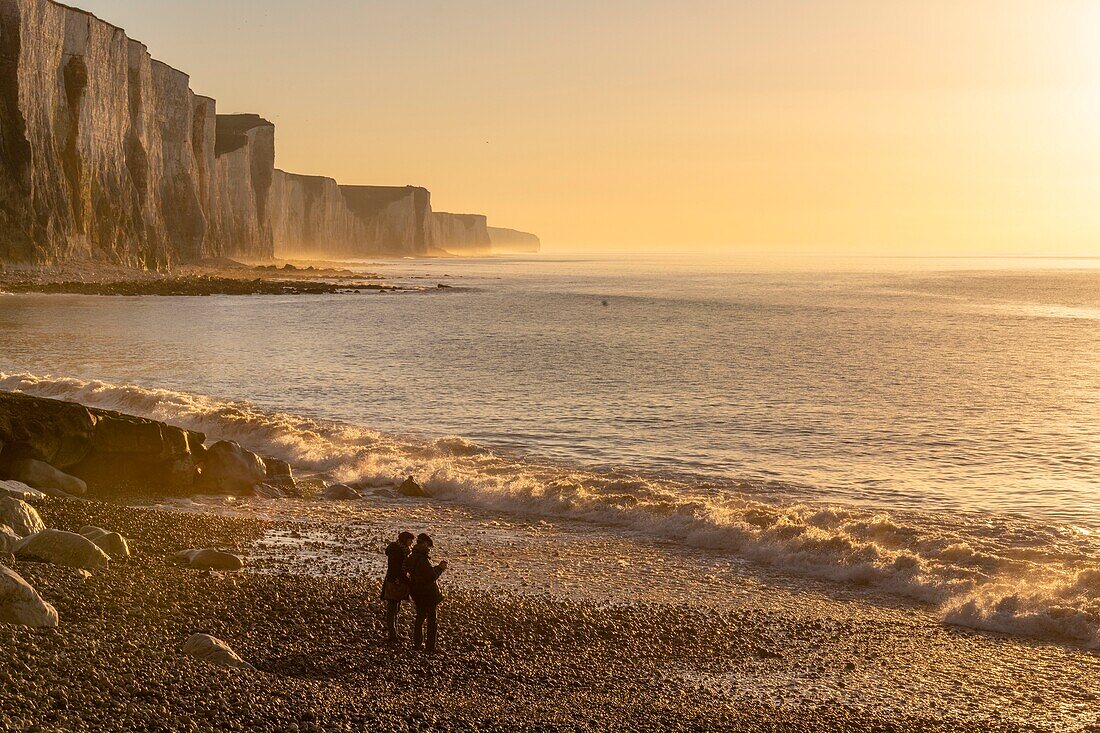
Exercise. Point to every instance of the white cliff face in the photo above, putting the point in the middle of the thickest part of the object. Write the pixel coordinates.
(513, 240)
(244, 169)
(315, 216)
(107, 155)
(461, 234)
(97, 154)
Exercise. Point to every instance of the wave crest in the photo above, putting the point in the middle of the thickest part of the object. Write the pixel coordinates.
(993, 575)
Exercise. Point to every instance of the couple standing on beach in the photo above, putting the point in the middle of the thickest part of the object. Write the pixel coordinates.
(410, 574)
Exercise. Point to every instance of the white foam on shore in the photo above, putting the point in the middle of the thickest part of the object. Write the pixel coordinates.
(996, 574)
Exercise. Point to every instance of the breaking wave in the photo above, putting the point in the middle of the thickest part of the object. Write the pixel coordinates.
(994, 573)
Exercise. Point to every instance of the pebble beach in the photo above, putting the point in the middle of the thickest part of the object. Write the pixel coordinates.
(510, 660)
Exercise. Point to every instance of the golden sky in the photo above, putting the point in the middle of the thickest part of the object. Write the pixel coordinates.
(773, 126)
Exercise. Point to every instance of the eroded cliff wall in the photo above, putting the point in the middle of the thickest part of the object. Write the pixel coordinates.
(106, 154)
(513, 240)
(244, 153)
(97, 160)
(315, 216)
(461, 234)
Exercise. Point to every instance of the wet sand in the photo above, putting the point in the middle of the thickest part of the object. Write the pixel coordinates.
(513, 658)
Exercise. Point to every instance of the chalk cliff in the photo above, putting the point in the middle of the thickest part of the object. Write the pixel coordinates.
(96, 159)
(315, 216)
(106, 154)
(245, 168)
(512, 240)
(461, 234)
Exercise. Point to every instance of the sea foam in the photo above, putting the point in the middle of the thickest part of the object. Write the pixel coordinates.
(994, 573)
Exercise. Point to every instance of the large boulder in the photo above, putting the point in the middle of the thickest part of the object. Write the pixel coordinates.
(45, 477)
(62, 548)
(214, 651)
(20, 603)
(207, 559)
(20, 516)
(58, 433)
(112, 543)
(228, 468)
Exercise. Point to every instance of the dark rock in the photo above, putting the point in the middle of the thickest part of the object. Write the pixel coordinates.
(56, 432)
(279, 473)
(409, 487)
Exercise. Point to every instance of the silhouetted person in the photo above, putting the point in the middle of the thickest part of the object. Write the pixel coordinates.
(395, 588)
(425, 591)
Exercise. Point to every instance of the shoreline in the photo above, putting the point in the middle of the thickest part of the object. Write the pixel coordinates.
(508, 662)
(218, 277)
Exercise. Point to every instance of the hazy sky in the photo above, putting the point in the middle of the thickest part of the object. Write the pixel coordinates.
(851, 126)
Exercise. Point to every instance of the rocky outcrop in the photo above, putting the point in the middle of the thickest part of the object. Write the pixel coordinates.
(512, 240)
(244, 169)
(103, 451)
(461, 234)
(230, 469)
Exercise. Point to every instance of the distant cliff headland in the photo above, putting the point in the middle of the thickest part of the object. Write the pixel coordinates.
(107, 155)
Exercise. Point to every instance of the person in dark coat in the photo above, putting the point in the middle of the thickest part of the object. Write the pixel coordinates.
(395, 588)
(423, 577)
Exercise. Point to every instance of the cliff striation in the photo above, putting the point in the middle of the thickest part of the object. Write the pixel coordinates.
(244, 168)
(512, 240)
(106, 154)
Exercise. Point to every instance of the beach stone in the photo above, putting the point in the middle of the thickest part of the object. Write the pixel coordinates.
(19, 490)
(213, 651)
(8, 539)
(340, 491)
(20, 517)
(207, 559)
(62, 548)
(229, 468)
(410, 488)
(56, 432)
(20, 604)
(112, 543)
(45, 477)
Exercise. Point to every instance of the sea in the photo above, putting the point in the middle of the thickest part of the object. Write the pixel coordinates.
(926, 429)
